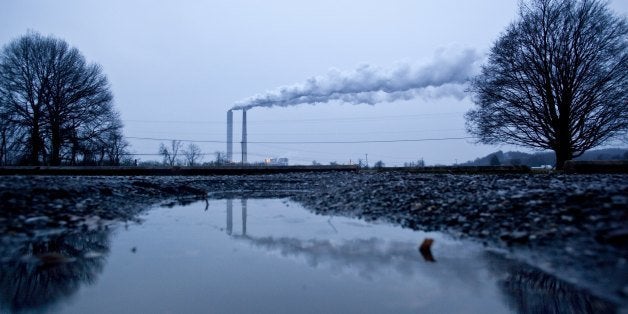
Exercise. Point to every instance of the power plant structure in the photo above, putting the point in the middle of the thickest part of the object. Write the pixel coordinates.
(230, 136)
(244, 141)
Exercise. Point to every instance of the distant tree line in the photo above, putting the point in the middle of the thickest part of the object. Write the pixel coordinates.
(543, 158)
(55, 107)
(415, 164)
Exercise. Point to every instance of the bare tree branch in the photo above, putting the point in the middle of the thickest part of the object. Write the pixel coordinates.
(192, 154)
(171, 153)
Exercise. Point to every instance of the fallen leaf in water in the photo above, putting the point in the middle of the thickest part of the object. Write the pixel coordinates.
(426, 250)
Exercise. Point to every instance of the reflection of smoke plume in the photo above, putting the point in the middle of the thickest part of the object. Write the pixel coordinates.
(368, 256)
(446, 75)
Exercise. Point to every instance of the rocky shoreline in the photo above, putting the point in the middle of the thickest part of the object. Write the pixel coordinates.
(574, 226)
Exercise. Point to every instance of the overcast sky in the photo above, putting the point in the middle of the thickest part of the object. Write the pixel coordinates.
(176, 67)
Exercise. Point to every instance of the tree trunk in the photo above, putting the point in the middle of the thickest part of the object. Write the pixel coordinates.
(55, 159)
(101, 157)
(35, 145)
(563, 153)
(3, 149)
(73, 154)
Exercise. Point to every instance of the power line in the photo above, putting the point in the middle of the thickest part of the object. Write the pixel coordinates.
(173, 121)
(183, 154)
(365, 141)
(173, 139)
(310, 142)
(328, 153)
(320, 133)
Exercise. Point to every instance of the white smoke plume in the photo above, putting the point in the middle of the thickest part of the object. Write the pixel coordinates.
(446, 75)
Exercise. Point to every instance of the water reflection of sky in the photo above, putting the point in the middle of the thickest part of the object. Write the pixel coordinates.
(273, 256)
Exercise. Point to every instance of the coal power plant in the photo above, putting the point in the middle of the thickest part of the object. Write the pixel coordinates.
(446, 75)
(230, 136)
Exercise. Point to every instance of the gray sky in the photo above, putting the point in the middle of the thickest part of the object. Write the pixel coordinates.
(175, 67)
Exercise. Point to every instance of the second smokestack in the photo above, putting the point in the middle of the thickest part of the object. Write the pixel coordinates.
(244, 136)
(229, 136)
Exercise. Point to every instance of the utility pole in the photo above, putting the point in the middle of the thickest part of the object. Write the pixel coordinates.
(367, 160)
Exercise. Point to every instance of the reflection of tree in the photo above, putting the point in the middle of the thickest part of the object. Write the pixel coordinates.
(529, 290)
(37, 274)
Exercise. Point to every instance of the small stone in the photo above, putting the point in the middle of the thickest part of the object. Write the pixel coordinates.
(34, 220)
(515, 237)
(619, 200)
(617, 237)
(54, 258)
(92, 254)
(589, 253)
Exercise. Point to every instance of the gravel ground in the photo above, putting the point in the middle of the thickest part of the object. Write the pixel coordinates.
(574, 226)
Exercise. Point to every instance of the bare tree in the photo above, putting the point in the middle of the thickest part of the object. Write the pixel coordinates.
(49, 92)
(556, 79)
(22, 100)
(221, 158)
(192, 154)
(170, 153)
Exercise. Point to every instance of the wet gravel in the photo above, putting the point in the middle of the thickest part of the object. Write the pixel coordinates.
(571, 225)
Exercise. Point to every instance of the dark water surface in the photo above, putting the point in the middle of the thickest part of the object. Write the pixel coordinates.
(270, 256)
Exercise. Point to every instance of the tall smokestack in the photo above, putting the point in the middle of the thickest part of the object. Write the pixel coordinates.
(244, 214)
(229, 136)
(244, 136)
(229, 216)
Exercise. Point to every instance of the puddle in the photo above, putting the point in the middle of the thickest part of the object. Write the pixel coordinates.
(271, 256)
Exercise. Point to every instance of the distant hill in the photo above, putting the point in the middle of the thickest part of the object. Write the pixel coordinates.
(544, 158)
